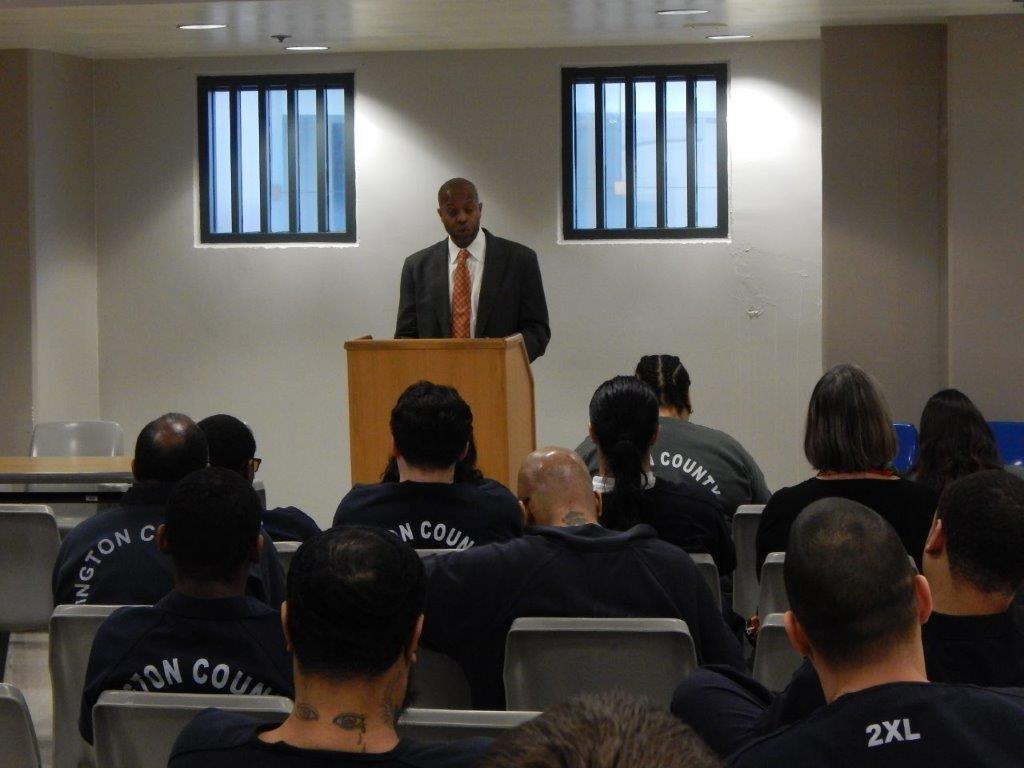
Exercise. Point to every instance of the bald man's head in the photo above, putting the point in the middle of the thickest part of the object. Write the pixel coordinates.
(169, 448)
(457, 186)
(555, 489)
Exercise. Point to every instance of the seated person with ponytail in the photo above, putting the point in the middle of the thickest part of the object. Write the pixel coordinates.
(623, 426)
(686, 452)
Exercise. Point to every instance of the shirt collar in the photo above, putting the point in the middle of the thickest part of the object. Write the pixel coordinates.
(476, 248)
(607, 484)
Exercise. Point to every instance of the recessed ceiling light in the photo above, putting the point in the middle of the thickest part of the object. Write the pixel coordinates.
(682, 12)
(306, 48)
(729, 37)
(202, 26)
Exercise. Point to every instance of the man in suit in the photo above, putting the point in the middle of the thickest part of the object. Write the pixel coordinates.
(472, 284)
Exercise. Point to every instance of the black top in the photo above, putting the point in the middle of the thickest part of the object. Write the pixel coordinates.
(908, 506)
(188, 645)
(582, 571)
(685, 515)
(901, 725)
(216, 739)
(435, 515)
(289, 524)
(979, 650)
(112, 558)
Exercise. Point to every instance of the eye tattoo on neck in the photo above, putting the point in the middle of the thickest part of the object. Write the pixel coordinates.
(574, 518)
(350, 721)
(304, 711)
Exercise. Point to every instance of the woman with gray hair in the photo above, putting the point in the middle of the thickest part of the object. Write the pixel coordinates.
(849, 439)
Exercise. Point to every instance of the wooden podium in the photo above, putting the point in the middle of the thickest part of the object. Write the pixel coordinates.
(492, 375)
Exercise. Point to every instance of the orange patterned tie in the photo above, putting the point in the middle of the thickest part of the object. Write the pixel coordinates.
(461, 298)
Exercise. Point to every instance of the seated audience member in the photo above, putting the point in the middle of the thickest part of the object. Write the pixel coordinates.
(685, 452)
(431, 427)
(955, 440)
(205, 636)
(606, 731)
(233, 446)
(353, 620)
(465, 471)
(565, 565)
(857, 610)
(112, 558)
(849, 439)
(624, 425)
(974, 563)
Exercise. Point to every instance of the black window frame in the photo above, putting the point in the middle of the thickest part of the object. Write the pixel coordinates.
(629, 75)
(263, 83)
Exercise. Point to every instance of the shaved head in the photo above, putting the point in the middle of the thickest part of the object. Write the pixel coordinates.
(456, 185)
(168, 448)
(555, 489)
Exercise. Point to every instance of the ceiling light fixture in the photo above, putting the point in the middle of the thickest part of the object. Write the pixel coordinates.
(306, 48)
(202, 26)
(682, 12)
(729, 37)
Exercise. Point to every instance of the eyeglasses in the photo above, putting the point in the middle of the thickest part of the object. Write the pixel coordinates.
(255, 464)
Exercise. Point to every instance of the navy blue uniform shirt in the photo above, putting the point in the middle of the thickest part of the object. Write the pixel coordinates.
(289, 524)
(435, 515)
(901, 725)
(216, 739)
(584, 571)
(112, 558)
(689, 517)
(188, 645)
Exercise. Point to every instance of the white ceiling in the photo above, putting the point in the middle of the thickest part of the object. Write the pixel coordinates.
(147, 28)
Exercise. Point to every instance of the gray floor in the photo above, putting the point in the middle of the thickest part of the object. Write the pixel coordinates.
(28, 668)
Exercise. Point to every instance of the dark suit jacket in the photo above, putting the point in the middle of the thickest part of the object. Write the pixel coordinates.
(511, 296)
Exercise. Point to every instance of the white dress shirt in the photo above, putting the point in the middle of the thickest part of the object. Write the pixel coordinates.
(475, 263)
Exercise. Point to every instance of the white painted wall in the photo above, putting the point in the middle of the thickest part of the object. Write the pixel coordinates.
(65, 353)
(986, 211)
(258, 332)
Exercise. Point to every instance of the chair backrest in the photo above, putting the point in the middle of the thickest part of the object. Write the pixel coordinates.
(441, 725)
(906, 446)
(1010, 439)
(137, 730)
(77, 438)
(285, 551)
(744, 580)
(706, 565)
(772, 597)
(29, 541)
(440, 682)
(18, 745)
(548, 660)
(775, 660)
(72, 629)
(427, 552)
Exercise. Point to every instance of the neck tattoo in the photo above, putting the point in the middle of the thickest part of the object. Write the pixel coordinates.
(305, 711)
(351, 721)
(574, 518)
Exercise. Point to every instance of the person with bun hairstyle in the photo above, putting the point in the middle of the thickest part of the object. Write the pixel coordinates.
(624, 426)
(691, 453)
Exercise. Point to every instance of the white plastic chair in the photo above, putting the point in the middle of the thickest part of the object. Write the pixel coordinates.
(133, 729)
(442, 725)
(772, 596)
(440, 682)
(706, 565)
(18, 745)
(548, 660)
(775, 660)
(285, 552)
(77, 438)
(744, 534)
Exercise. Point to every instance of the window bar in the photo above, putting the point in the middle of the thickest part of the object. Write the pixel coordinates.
(293, 163)
(599, 152)
(350, 165)
(691, 154)
(321, 161)
(660, 196)
(210, 116)
(236, 195)
(723, 148)
(630, 130)
(264, 162)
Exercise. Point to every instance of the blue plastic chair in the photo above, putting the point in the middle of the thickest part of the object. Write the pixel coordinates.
(1010, 439)
(906, 450)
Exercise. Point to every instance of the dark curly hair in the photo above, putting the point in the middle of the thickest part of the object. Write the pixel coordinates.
(955, 440)
(669, 379)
